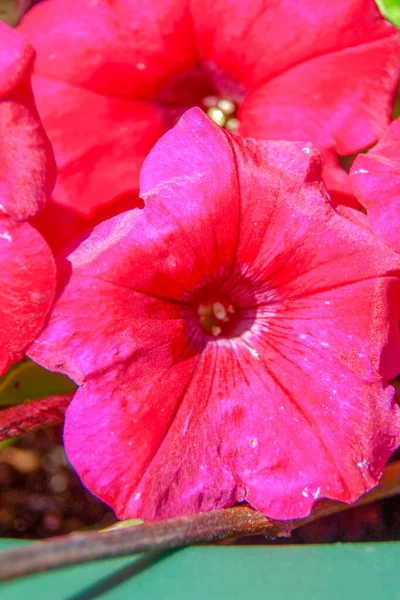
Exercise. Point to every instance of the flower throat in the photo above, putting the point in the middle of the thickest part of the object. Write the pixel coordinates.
(216, 315)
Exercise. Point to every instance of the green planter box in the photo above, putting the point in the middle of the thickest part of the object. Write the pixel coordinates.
(339, 571)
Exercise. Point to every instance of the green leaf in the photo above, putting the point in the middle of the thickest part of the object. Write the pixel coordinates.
(123, 524)
(390, 9)
(328, 572)
(29, 381)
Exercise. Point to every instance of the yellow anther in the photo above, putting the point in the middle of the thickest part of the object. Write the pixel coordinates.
(215, 330)
(222, 111)
(227, 107)
(219, 311)
(210, 102)
(232, 125)
(217, 116)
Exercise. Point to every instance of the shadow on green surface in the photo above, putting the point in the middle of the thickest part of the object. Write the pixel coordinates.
(326, 572)
(112, 581)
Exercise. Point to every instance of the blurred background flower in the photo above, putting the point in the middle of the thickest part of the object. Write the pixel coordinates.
(297, 71)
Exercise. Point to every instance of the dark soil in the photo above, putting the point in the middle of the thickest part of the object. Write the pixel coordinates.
(40, 494)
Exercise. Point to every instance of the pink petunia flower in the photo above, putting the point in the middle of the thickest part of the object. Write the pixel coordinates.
(27, 174)
(376, 179)
(230, 339)
(113, 75)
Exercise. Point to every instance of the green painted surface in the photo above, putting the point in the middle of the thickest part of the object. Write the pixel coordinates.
(339, 571)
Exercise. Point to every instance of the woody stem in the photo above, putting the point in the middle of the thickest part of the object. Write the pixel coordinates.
(174, 533)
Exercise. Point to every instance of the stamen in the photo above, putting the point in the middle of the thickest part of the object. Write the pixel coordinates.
(210, 102)
(222, 111)
(217, 116)
(219, 311)
(216, 314)
(232, 125)
(227, 107)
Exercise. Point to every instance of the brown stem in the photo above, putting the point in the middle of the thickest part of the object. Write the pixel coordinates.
(173, 533)
(33, 415)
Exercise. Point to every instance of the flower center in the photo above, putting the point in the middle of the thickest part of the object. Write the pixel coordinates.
(222, 112)
(204, 85)
(216, 315)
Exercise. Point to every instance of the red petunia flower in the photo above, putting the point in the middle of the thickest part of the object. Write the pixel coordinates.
(376, 179)
(27, 174)
(230, 338)
(27, 171)
(27, 288)
(113, 75)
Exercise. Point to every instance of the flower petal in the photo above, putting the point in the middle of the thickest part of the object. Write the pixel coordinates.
(96, 164)
(318, 406)
(133, 421)
(226, 428)
(276, 220)
(281, 227)
(119, 49)
(27, 170)
(27, 289)
(15, 59)
(376, 179)
(114, 323)
(141, 252)
(60, 224)
(338, 182)
(314, 100)
(254, 41)
(192, 171)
